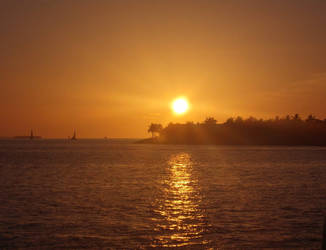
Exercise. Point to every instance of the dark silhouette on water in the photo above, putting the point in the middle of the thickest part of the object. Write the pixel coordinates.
(74, 138)
(31, 136)
(290, 130)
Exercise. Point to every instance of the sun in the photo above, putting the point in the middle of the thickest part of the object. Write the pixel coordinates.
(180, 105)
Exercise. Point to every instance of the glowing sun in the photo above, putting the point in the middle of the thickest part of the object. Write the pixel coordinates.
(180, 105)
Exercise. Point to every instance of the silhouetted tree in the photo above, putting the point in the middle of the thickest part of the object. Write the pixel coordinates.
(154, 128)
(210, 121)
(296, 117)
(312, 118)
(229, 121)
(238, 120)
(288, 130)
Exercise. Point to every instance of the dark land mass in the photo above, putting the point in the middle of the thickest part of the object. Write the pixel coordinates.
(290, 130)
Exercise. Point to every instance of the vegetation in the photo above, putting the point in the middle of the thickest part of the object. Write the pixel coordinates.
(155, 129)
(289, 130)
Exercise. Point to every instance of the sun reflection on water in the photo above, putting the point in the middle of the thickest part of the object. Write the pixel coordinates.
(180, 220)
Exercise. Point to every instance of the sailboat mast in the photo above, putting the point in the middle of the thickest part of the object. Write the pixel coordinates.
(74, 136)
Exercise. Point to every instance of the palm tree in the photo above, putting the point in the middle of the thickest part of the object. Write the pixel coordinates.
(296, 117)
(210, 121)
(154, 128)
(310, 118)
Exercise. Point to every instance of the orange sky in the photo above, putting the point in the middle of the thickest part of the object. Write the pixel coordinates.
(109, 68)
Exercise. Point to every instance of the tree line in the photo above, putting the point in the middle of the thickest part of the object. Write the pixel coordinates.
(288, 130)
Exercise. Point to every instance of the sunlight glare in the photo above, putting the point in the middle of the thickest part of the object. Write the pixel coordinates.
(180, 106)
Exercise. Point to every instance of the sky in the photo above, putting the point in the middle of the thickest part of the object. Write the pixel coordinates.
(110, 68)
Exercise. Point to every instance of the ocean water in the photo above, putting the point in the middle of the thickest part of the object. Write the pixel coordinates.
(117, 194)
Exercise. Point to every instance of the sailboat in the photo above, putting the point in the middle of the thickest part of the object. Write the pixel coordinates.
(31, 137)
(73, 138)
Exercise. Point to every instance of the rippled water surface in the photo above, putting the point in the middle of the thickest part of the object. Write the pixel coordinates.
(116, 194)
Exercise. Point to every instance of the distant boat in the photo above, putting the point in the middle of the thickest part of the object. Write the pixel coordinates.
(31, 136)
(74, 138)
